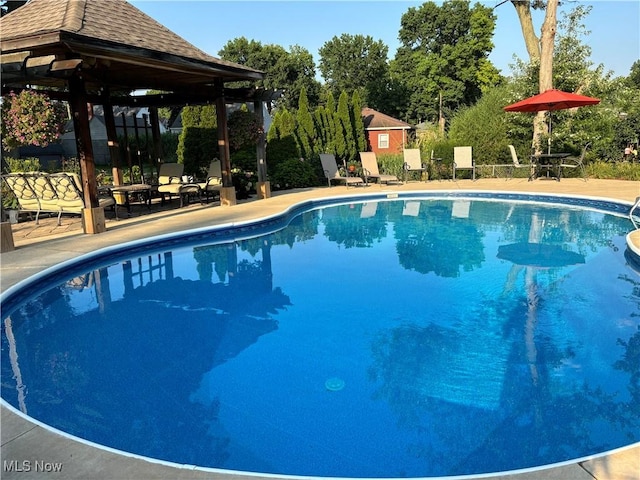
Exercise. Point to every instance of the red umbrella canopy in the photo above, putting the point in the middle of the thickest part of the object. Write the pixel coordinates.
(551, 100)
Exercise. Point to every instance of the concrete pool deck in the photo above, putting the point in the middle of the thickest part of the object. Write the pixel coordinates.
(40, 247)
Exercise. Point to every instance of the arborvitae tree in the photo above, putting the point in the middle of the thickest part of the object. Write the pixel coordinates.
(358, 124)
(198, 142)
(331, 121)
(345, 145)
(305, 130)
(281, 144)
(322, 130)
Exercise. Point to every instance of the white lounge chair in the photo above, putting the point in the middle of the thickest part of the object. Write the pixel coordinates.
(413, 161)
(517, 164)
(370, 167)
(463, 160)
(332, 174)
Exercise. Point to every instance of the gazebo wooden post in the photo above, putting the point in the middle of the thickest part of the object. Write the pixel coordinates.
(126, 146)
(228, 191)
(264, 186)
(157, 138)
(92, 215)
(112, 138)
(138, 151)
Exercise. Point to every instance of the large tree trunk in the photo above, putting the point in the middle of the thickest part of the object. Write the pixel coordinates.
(545, 78)
(531, 41)
(540, 50)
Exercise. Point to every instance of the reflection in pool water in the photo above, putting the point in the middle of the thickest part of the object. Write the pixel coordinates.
(391, 339)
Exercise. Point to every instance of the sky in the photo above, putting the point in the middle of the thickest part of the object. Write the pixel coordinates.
(614, 25)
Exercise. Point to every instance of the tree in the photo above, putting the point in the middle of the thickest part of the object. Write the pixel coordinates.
(290, 71)
(357, 123)
(443, 54)
(305, 131)
(281, 142)
(198, 141)
(540, 51)
(353, 62)
(633, 79)
(344, 132)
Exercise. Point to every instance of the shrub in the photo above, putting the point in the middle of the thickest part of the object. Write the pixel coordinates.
(391, 164)
(23, 164)
(294, 173)
(281, 150)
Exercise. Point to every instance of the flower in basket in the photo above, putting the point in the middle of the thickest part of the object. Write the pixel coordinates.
(31, 118)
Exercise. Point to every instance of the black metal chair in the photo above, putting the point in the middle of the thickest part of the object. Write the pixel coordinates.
(573, 162)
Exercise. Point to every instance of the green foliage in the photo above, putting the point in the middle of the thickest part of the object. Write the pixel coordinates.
(281, 143)
(198, 141)
(294, 173)
(633, 80)
(485, 127)
(170, 147)
(31, 164)
(345, 148)
(341, 56)
(443, 51)
(244, 129)
(244, 158)
(357, 124)
(30, 118)
(391, 164)
(305, 129)
(290, 71)
(614, 170)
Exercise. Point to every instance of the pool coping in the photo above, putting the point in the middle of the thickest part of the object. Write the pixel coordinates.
(539, 471)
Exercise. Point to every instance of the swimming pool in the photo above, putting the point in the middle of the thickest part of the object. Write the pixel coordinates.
(411, 286)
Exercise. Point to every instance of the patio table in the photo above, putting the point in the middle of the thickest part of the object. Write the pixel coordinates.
(141, 189)
(549, 161)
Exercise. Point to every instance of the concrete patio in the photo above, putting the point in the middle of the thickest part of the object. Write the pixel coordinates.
(39, 247)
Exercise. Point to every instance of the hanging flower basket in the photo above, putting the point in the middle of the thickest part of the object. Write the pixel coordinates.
(31, 118)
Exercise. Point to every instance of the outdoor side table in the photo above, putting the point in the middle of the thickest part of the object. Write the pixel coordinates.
(141, 189)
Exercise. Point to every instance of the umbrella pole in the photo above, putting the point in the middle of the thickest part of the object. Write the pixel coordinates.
(549, 137)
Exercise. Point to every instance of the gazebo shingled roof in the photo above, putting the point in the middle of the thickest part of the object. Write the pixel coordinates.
(88, 51)
(121, 47)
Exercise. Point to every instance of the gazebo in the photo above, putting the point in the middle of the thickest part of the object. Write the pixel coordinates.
(99, 52)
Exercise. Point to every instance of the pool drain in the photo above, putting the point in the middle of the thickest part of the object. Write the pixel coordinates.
(334, 384)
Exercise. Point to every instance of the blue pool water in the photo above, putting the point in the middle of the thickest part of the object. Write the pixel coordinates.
(390, 338)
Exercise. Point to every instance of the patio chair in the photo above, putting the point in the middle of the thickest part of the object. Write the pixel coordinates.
(412, 161)
(68, 188)
(332, 174)
(463, 160)
(170, 183)
(516, 163)
(370, 168)
(213, 183)
(573, 162)
(53, 193)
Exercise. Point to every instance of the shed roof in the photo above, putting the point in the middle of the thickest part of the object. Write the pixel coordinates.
(120, 47)
(374, 120)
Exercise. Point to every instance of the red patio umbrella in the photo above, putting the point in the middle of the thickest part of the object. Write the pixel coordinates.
(549, 100)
